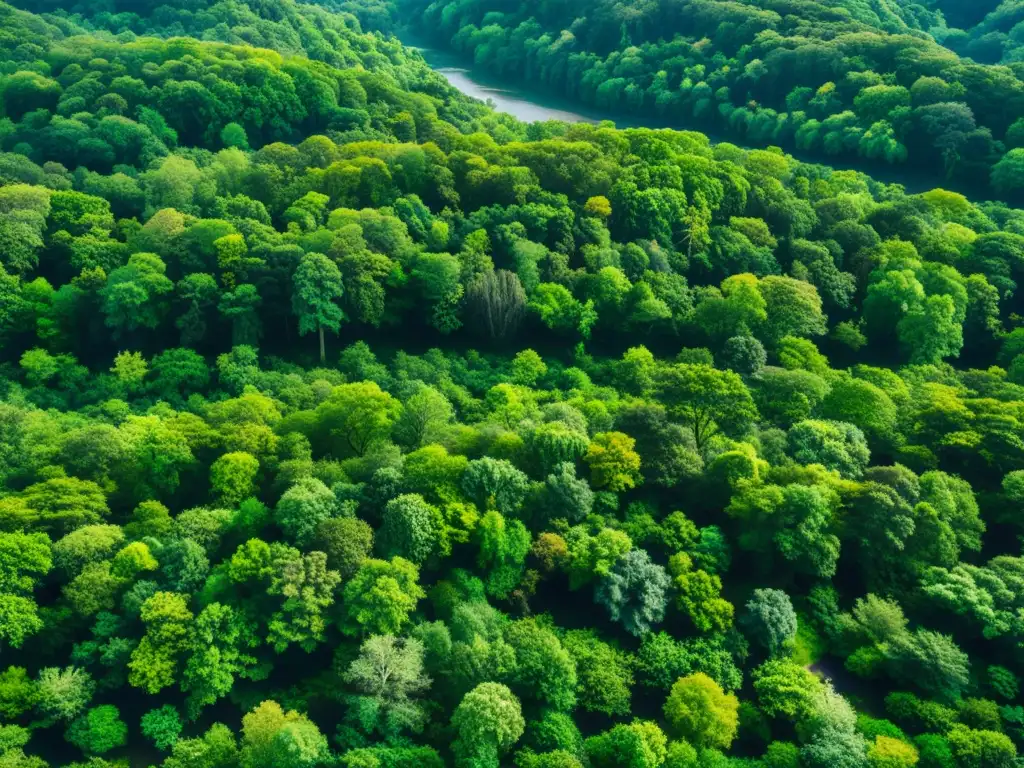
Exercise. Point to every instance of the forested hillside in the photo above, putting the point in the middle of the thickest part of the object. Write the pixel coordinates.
(986, 31)
(344, 422)
(844, 78)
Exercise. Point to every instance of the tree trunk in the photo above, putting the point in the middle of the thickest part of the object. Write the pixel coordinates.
(323, 354)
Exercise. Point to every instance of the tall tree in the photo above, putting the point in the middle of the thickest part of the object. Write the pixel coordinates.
(706, 400)
(316, 288)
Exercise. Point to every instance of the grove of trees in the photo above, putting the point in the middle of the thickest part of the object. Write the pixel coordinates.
(886, 82)
(345, 422)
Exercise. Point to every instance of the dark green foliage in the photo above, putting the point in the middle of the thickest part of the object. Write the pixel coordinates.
(347, 541)
(770, 620)
(162, 726)
(783, 90)
(930, 661)
(743, 354)
(634, 592)
(565, 496)
(913, 713)
(661, 660)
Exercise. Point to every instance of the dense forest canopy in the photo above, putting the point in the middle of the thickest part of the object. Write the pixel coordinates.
(345, 422)
(888, 82)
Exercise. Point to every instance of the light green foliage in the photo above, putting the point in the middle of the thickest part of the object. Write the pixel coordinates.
(60, 504)
(792, 308)
(273, 737)
(797, 520)
(864, 405)
(233, 476)
(881, 620)
(544, 669)
(979, 748)
(303, 507)
(306, 587)
(88, 544)
(219, 639)
(99, 730)
(503, 548)
(613, 462)
(488, 722)
(17, 692)
(555, 759)
(424, 415)
(706, 400)
(380, 597)
(604, 673)
(94, 589)
(982, 714)
(18, 620)
(155, 660)
(130, 369)
(317, 286)
(699, 711)
(216, 747)
(699, 595)
(835, 445)
(388, 675)
(355, 416)
(134, 559)
(203, 526)
(784, 688)
(62, 694)
(527, 368)
(593, 557)
(24, 559)
(641, 743)
(233, 135)
(554, 731)
(556, 442)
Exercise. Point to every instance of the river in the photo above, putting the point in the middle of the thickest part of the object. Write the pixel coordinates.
(532, 104)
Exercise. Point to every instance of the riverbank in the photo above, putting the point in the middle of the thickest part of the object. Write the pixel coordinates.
(532, 104)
